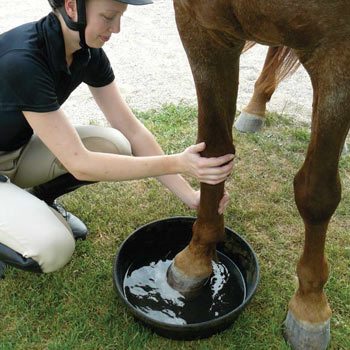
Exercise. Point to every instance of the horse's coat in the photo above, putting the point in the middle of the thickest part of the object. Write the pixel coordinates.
(213, 33)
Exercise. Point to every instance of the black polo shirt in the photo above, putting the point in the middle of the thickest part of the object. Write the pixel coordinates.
(34, 75)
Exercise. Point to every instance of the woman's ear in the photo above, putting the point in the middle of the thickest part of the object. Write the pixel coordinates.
(71, 9)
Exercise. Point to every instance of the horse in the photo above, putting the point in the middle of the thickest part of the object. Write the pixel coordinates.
(214, 33)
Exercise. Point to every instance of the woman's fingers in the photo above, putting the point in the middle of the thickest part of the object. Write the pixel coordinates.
(221, 170)
(225, 200)
(223, 204)
(211, 170)
(213, 176)
(212, 161)
(218, 161)
(215, 181)
(199, 147)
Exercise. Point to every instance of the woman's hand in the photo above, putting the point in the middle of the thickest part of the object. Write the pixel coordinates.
(208, 170)
(224, 202)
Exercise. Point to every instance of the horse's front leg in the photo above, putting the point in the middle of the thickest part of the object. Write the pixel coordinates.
(317, 193)
(214, 65)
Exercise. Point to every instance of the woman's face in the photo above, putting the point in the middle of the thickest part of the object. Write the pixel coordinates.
(103, 18)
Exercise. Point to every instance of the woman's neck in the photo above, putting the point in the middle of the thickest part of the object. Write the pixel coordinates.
(71, 41)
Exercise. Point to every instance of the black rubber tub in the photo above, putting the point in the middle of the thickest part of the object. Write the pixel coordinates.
(175, 233)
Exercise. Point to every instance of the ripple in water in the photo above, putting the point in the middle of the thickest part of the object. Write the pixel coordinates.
(147, 289)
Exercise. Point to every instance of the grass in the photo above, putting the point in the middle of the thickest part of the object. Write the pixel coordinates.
(77, 308)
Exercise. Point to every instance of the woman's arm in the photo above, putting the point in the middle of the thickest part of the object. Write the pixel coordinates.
(60, 137)
(142, 141)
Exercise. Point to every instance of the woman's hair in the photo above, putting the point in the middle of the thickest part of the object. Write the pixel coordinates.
(56, 4)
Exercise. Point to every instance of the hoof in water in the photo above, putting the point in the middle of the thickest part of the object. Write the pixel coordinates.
(306, 336)
(189, 287)
(247, 122)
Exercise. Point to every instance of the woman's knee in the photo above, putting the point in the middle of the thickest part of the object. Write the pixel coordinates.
(103, 139)
(54, 251)
(38, 165)
(35, 231)
(48, 255)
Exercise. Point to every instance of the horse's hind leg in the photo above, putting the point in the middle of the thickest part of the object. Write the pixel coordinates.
(214, 63)
(252, 117)
(279, 63)
(317, 194)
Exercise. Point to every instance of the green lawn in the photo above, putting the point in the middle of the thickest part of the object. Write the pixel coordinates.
(77, 307)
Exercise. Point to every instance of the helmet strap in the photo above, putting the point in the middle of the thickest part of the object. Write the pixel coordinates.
(78, 26)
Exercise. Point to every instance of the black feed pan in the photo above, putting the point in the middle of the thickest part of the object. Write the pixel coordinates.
(157, 238)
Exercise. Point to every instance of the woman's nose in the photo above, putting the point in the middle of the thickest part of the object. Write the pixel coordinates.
(115, 27)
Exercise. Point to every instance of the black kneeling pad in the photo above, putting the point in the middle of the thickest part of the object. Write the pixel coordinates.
(12, 258)
(2, 269)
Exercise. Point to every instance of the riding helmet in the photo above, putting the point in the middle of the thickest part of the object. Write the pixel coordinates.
(80, 25)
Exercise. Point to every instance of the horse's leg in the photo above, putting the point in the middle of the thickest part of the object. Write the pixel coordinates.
(215, 68)
(317, 194)
(279, 63)
(252, 117)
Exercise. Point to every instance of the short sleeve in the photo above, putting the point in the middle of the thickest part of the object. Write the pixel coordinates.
(26, 83)
(99, 71)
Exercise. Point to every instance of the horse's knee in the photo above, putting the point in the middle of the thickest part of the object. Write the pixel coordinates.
(317, 195)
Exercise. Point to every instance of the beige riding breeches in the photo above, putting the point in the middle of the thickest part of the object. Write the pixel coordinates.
(28, 225)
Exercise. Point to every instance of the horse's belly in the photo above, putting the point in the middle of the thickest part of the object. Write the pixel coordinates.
(298, 24)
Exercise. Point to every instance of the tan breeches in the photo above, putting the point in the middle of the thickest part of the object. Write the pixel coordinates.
(27, 224)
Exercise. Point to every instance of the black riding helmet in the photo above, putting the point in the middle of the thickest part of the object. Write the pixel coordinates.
(80, 25)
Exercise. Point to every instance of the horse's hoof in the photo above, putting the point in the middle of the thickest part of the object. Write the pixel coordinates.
(189, 287)
(306, 336)
(247, 122)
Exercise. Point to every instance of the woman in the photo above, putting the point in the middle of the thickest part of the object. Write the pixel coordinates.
(42, 156)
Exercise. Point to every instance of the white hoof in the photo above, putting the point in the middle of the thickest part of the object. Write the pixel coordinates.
(247, 122)
(306, 336)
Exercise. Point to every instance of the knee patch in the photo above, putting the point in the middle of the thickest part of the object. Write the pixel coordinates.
(105, 140)
(54, 251)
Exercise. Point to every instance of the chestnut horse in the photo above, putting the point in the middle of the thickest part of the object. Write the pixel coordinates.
(214, 33)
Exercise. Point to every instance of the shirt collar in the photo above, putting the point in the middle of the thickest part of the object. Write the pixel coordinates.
(55, 46)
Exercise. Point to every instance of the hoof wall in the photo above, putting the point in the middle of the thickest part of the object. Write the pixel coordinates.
(247, 122)
(306, 336)
(189, 287)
